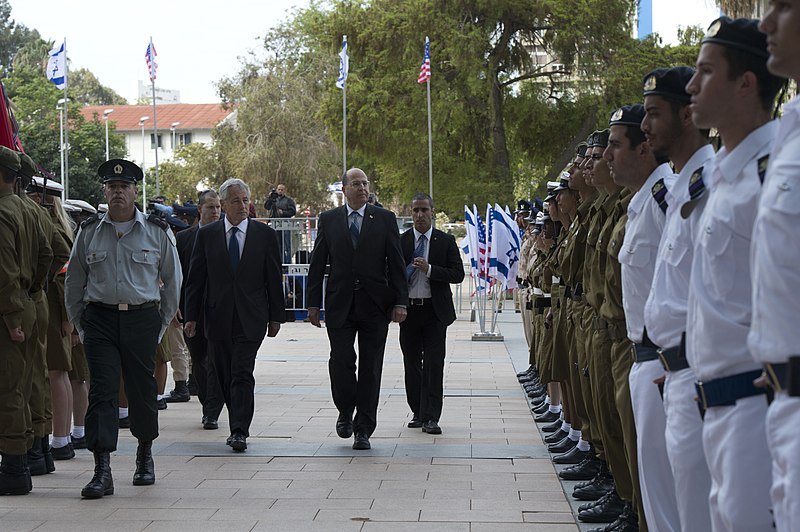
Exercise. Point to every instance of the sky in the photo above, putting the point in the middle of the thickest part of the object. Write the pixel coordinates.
(200, 41)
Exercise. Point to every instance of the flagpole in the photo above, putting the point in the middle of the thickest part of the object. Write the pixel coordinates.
(344, 121)
(66, 123)
(430, 144)
(155, 136)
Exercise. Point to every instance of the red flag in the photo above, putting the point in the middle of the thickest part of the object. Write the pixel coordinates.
(9, 130)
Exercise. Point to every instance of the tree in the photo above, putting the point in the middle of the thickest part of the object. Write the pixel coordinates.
(13, 36)
(86, 89)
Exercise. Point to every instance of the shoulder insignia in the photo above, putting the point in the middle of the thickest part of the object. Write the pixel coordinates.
(697, 189)
(90, 220)
(659, 192)
(762, 167)
(159, 221)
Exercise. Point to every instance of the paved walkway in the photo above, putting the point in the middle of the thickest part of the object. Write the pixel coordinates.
(487, 472)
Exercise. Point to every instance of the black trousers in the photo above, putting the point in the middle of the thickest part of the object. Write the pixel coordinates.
(123, 341)
(360, 394)
(208, 390)
(234, 360)
(422, 340)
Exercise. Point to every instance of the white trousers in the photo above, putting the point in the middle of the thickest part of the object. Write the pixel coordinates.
(655, 474)
(783, 420)
(684, 437)
(735, 443)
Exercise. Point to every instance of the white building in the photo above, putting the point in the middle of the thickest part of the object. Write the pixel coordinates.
(162, 95)
(178, 124)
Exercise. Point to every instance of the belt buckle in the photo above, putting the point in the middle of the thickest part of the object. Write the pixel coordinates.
(774, 382)
(663, 359)
(702, 394)
(122, 306)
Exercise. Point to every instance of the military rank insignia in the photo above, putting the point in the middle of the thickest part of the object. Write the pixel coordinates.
(697, 189)
(762, 167)
(659, 192)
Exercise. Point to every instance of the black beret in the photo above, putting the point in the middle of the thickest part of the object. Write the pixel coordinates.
(628, 115)
(742, 34)
(120, 170)
(599, 139)
(669, 83)
(523, 206)
(580, 151)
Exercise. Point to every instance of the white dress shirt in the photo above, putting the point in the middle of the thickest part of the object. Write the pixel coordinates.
(420, 285)
(775, 258)
(639, 247)
(240, 235)
(665, 310)
(719, 308)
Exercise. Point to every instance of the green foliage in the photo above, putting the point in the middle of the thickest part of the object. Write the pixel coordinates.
(86, 89)
(13, 37)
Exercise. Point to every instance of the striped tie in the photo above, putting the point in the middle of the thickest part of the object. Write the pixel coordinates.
(354, 232)
(419, 251)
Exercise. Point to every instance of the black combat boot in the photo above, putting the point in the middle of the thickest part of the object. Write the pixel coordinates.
(180, 394)
(101, 483)
(15, 478)
(145, 473)
(48, 456)
(35, 459)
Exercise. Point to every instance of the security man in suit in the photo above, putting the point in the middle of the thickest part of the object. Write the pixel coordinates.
(122, 288)
(366, 289)
(433, 263)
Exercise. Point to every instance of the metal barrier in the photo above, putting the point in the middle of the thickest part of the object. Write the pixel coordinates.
(296, 240)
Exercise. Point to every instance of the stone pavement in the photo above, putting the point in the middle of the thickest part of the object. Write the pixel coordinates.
(488, 471)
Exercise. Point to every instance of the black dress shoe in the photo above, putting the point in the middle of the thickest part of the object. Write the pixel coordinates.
(125, 422)
(344, 425)
(361, 442)
(526, 372)
(627, 521)
(210, 424)
(78, 443)
(35, 460)
(589, 505)
(145, 474)
(102, 483)
(431, 427)
(537, 394)
(538, 400)
(415, 422)
(555, 426)
(162, 403)
(563, 446)
(557, 436)
(547, 417)
(573, 456)
(594, 490)
(229, 441)
(527, 378)
(238, 442)
(586, 470)
(541, 409)
(606, 512)
(63, 453)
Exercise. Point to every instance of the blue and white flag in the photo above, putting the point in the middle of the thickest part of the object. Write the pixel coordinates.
(504, 248)
(344, 64)
(471, 223)
(57, 65)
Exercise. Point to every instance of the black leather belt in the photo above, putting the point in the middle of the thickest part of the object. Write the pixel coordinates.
(419, 301)
(673, 359)
(542, 302)
(727, 390)
(785, 376)
(644, 353)
(126, 306)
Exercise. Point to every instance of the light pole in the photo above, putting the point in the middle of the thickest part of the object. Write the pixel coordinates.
(142, 120)
(172, 129)
(105, 117)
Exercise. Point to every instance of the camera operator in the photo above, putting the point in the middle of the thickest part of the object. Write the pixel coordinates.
(279, 205)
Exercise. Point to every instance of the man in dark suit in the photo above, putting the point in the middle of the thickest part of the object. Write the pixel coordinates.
(366, 289)
(207, 386)
(235, 276)
(433, 263)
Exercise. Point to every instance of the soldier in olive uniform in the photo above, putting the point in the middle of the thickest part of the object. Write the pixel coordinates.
(122, 289)
(25, 256)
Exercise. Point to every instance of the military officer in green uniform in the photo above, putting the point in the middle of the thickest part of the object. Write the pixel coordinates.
(122, 289)
(25, 256)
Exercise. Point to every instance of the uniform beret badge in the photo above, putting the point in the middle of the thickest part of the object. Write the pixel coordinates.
(713, 29)
(650, 83)
(617, 115)
(118, 169)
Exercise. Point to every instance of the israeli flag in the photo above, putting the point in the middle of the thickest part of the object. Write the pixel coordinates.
(344, 64)
(57, 65)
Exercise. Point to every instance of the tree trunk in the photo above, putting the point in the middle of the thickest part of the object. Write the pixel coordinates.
(501, 170)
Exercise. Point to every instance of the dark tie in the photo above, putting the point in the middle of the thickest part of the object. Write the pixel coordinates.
(233, 249)
(354, 232)
(419, 251)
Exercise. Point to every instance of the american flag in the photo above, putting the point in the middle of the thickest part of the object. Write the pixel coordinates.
(482, 249)
(150, 57)
(425, 69)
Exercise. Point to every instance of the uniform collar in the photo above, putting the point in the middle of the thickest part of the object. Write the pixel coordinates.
(639, 199)
(138, 216)
(730, 164)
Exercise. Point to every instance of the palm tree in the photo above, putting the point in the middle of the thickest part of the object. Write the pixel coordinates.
(742, 8)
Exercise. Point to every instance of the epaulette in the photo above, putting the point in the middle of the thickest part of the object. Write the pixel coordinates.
(697, 188)
(659, 192)
(762, 167)
(159, 221)
(90, 220)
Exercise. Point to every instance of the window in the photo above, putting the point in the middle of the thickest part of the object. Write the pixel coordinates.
(153, 141)
(185, 138)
